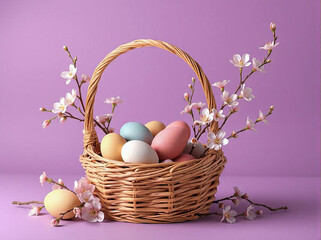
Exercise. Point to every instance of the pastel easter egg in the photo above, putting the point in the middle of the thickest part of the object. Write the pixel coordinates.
(184, 157)
(181, 124)
(136, 131)
(167, 161)
(59, 201)
(111, 146)
(136, 151)
(170, 142)
(198, 150)
(155, 127)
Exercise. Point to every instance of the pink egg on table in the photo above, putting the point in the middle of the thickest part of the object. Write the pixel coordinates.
(181, 124)
(170, 142)
(184, 157)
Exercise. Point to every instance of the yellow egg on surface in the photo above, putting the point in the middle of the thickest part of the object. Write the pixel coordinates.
(111, 146)
(59, 201)
(155, 127)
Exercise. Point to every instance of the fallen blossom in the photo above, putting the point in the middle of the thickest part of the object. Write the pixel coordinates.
(61, 106)
(241, 62)
(250, 214)
(43, 178)
(246, 93)
(228, 214)
(56, 186)
(187, 109)
(269, 46)
(71, 97)
(218, 115)
(55, 222)
(46, 123)
(250, 124)
(205, 118)
(262, 117)
(113, 101)
(257, 65)
(215, 141)
(229, 100)
(221, 85)
(35, 210)
(91, 212)
(69, 75)
(104, 118)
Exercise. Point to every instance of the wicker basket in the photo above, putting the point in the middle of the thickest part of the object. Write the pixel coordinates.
(151, 193)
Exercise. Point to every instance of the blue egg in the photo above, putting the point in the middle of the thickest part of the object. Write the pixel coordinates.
(136, 131)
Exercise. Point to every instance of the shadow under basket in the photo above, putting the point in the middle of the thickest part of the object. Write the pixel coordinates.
(151, 193)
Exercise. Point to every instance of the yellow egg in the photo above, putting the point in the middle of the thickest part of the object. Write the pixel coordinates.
(59, 201)
(111, 146)
(155, 127)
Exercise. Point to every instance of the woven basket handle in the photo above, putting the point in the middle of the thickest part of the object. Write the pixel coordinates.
(90, 136)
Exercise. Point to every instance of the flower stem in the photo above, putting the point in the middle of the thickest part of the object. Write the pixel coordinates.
(226, 118)
(68, 211)
(267, 207)
(50, 180)
(26, 203)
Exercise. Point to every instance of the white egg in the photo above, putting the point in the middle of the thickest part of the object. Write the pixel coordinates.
(197, 151)
(136, 151)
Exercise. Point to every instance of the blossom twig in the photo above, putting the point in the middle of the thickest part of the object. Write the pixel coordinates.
(26, 203)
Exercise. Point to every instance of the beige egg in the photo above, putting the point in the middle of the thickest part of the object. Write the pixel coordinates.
(59, 201)
(111, 146)
(155, 127)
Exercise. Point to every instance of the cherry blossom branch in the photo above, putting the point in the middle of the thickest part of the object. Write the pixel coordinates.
(26, 203)
(267, 207)
(226, 118)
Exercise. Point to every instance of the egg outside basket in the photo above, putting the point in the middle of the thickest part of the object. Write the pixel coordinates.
(151, 193)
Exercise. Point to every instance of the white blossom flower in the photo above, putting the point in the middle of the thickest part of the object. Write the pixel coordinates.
(198, 105)
(86, 196)
(69, 75)
(61, 106)
(113, 100)
(91, 212)
(43, 178)
(104, 118)
(250, 124)
(187, 109)
(237, 192)
(77, 212)
(256, 65)
(205, 118)
(262, 117)
(250, 213)
(241, 62)
(269, 46)
(228, 214)
(218, 115)
(229, 100)
(71, 97)
(246, 93)
(220, 85)
(216, 141)
(35, 210)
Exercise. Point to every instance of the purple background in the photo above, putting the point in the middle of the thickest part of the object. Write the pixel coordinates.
(152, 82)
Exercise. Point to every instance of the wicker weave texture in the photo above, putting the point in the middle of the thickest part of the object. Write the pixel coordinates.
(151, 193)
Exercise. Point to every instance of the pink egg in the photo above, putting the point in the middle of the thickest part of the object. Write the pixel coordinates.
(170, 142)
(181, 124)
(184, 157)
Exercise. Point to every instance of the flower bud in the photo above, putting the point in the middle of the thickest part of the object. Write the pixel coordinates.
(42, 109)
(272, 26)
(235, 109)
(236, 201)
(46, 123)
(193, 80)
(271, 108)
(194, 141)
(190, 86)
(186, 96)
(234, 134)
(268, 61)
(221, 205)
(63, 119)
(259, 212)
(245, 196)
(111, 130)
(65, 48)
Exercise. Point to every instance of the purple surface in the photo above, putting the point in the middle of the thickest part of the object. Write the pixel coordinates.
(301, 221)
(152, 82)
